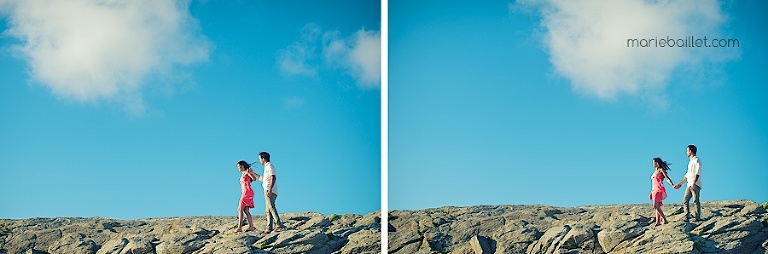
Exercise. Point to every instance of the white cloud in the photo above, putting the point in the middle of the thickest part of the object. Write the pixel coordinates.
(294, 60)
(297, 58)
(365, 58)
(587, 43)
(293, 102)
(359, 55)
(91, 50)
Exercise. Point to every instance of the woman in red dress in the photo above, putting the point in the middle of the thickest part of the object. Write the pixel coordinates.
(246, 199)
(658, 193)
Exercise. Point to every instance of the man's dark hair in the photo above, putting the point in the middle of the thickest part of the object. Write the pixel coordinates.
(264, 155)
(693, 149)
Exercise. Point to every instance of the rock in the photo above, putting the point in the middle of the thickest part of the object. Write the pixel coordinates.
(727, 234)
(739, 226)
(306, 233)
(550, 241)
(669, 238)
(364, 241)
(615, 232)
(406, 241)
(315, 221)
(74, 243)
(481, 245)
(138, 245)
(113, 246)
(752, 209)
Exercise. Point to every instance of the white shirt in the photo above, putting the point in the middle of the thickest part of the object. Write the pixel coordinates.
(266, 179)
(694, 169)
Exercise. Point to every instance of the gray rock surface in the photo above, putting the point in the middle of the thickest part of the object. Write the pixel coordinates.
(739, 226)
(306, 233)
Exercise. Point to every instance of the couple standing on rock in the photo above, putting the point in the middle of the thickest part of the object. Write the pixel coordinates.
(693, 176)
(269, 183)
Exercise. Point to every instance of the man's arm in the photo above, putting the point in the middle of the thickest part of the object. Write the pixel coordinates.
(677, 186)
(694, 182)
(253, 174)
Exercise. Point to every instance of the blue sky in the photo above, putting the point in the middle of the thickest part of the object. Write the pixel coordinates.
(143, 109)
(541, 102)
(145, 112)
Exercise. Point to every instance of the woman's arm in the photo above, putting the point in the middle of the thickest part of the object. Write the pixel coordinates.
(669, 180)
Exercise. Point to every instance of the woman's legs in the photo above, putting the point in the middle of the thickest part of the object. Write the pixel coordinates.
(248, 217)
(239, 218)
(663, 217)
(659, 214)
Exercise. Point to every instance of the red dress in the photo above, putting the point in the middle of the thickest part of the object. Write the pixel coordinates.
(658, 193)
(246, 199)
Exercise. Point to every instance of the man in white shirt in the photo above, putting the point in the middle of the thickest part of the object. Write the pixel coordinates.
(269, 182)
(693, 176)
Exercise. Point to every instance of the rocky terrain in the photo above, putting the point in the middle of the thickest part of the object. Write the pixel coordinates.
(306, 233)
(726, 227)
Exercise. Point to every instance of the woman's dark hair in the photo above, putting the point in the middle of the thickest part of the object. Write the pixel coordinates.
(662, 164)
(244, 164)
